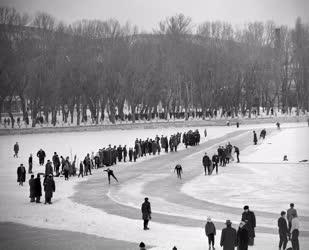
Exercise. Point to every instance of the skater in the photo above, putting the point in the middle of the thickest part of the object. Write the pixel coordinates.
(249, 218)
(291, 211)
(30, 164)
(206, 163)
(215, 162)
(41, 155)
(295, 232)
(236, 150)
(278, 125)
(32, 188)
(119, 153)
(283, 231)
(210, 231)
(37, 189)
(21, 174)
(254, 138)
(205, 133)
(130, 154)
(146, 212)
(49, 188)
(242, 237)
(237, 124)
(81, 169)
(109, 174)
(178, 170)
(66, 169)
(16, 149)
(263, 134)
(228, 237)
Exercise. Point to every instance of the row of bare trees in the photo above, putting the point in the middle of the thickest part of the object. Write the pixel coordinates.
(100, 65)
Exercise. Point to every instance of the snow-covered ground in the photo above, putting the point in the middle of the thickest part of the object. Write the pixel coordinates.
(246, 183)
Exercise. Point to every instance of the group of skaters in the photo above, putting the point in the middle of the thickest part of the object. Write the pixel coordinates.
(244, 236)
(262, 135)
(223, 157)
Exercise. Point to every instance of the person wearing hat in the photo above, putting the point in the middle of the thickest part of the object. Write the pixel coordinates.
(32, 189)
(291, 211)
(283, 231)
(146, 212)
(49, 188)
(228, 237)
(21, 174)
(249, 217)
(210, 231)
(242, 237)
(142, 246)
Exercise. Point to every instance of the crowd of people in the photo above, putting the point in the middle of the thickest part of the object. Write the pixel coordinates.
(106, 157)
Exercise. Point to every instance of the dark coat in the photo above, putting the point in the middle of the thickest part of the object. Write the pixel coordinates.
(242, 238)
(48, 169)
(283, 226)
(32, 187)
(21, 174)
(228, 238)
(37, 187)
(41, 154)
(249, 218)
(49, 187)
(206, 161)
(210, 228)
(16, 148)
(146, 210)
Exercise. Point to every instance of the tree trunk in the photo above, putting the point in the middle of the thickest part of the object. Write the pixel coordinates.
(78, 110)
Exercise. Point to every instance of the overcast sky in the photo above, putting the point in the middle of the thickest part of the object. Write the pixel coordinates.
(147, 13)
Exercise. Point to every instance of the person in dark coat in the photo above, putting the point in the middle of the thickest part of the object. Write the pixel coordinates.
(30, 164)
(49, 188)
(249, 217)
(206, 163)
(81, 169)
(210, 231)
(130, 154)
(215, 162)
(254, 138)
(32, 188)
(146, 212)
(142, 246)
(21, 174)
(56, 163)
(16, 149)
(291, 211)
(119, 153)
(178, 170)
(48, 168)
(125, 153)
(236, 149)
(37, 189)
(41, 155)
(228, 237)
(283, 231)
(109, 174)
(242, 237)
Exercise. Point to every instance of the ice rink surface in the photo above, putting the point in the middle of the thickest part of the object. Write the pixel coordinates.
(262, 180)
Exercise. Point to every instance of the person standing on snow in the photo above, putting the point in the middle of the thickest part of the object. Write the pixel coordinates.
(210, 231)
(146, 212)
(291, 211)
(254, 138)
(30, 164)
(283, 231)
(21, 174)
(32, 189)
(249, 218)
(236, 150)
(16, 150)
(178, 170)
(242, 237)
(41, 155)
(49, 188)
(206, 163)
(295, 232)
(228, 237)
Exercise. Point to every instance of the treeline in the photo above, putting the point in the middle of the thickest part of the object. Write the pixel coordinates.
(101, 65)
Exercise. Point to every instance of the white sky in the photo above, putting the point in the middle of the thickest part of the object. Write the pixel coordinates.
(147, 13)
